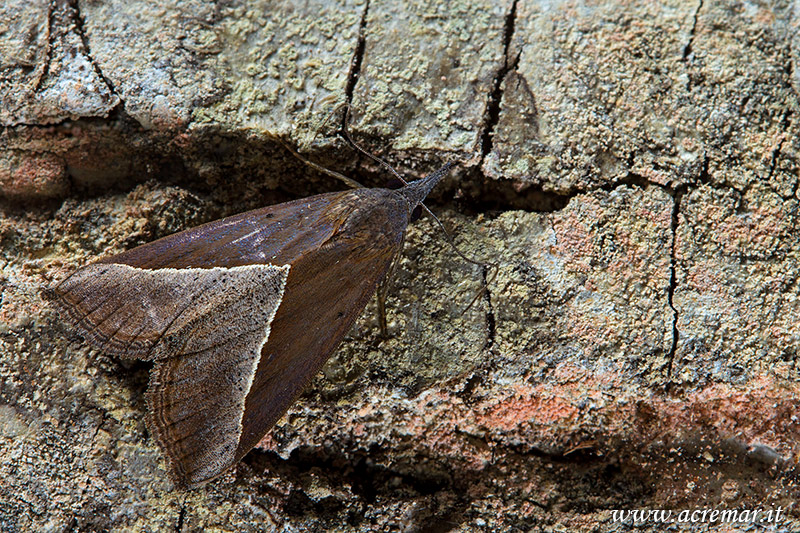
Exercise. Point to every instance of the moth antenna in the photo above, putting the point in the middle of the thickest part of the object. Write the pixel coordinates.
(350, 182)
(332, 112)
(494, 267)
(484, 286)
(452, 243)
(377, 159)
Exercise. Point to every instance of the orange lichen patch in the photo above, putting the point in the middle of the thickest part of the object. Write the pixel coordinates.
(761, 412)
(529, 407)
(33, 176)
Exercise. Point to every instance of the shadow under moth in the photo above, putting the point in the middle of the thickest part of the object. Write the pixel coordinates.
(239, 314)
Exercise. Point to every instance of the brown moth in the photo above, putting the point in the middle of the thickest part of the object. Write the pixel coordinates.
(239, 314)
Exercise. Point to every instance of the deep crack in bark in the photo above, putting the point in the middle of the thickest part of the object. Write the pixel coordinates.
(687, 49)
(355, 64)
(496, 95)
(491, 323)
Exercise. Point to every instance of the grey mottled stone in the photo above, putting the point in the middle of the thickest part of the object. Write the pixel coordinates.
(737, 296)
(427, 72)
(269, 67)
(46, 74)
(667, 91)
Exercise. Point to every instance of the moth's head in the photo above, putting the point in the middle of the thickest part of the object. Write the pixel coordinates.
(416, 191)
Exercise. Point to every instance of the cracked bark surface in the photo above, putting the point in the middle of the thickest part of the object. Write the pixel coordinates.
(631, 167)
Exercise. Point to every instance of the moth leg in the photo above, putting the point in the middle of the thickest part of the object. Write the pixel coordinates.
(382, 292)
(380, 299)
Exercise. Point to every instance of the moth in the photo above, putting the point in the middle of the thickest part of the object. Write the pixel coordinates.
(238, 315)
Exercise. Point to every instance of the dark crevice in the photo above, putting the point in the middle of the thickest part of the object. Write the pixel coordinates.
(496, 95)
(483, 195)
(49, 52)
(80, 29)
(72, 525)
(504, 195)
(181, 518)
(774, 160)
(491, 323)
(785, 122)
(365, 476)
(355, 64)
(677, 194)
(631, 180)
(352, 79)
(687, 49)
(673, 282)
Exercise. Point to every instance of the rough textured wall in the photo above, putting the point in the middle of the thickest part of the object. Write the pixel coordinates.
(631, 167)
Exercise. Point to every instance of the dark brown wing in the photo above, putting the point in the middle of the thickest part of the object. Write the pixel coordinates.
(327, 289)
(271, 235)
(328, 285)
(160, 313)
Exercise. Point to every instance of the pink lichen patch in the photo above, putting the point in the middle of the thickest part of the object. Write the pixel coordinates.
(763, 411)
(575, 239)
(580, 376)
(579, 410)
(654, 176)
(758, 229)
(164, 112)
(268, 443)
(703, 276)
(444, 424)
(582, 324)
(359, 430)
(19, 296)
(15, 314)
